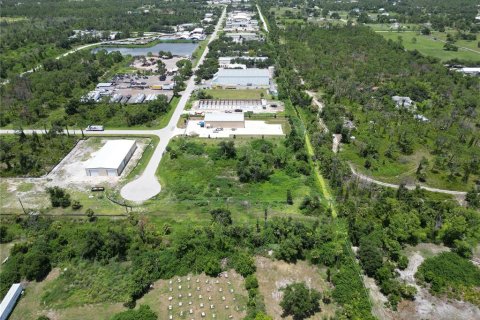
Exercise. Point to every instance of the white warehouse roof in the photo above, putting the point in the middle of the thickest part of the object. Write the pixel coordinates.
(242, 77)
(226, 117)
(111, 155)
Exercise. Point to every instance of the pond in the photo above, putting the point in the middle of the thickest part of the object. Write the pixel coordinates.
(178, 49)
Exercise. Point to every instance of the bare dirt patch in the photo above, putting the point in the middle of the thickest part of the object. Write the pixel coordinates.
(425, 306)
(188, 297)
(273, 275)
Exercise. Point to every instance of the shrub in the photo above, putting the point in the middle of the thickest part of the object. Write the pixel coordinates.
(143, 313)
(299, 301)
(59, 197)
(448, 271)
(222, 216)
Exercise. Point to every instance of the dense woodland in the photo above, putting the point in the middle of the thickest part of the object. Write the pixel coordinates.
(33, 155)
(51, 95)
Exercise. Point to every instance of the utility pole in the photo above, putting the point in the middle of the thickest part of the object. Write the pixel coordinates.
(21, 204)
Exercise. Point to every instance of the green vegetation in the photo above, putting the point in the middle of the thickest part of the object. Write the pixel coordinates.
(358, 72)
(59, 197)
(431, 46)
(143, 313)
(235, 94)
(299, 301)
(33, 155)
(204, 170)
(225, 47)
(389, 141)
(448, 273)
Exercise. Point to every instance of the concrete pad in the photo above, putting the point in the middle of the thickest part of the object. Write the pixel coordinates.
(252, 128)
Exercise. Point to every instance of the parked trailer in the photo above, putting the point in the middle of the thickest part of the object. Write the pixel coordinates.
(137, 99)
(125, 99)
(94, 128)
(116, 98)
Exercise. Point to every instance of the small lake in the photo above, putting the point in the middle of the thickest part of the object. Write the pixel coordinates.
(178, 49)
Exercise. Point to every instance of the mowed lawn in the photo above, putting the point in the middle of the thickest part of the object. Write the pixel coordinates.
(237, 94)
(430, 47)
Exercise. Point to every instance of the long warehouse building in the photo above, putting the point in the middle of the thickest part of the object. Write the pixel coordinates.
(254, 78)
(111, 159)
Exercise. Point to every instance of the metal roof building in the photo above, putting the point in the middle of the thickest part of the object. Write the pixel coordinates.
(225, 120)
(257, 78)
(111, 159)
(10, 300)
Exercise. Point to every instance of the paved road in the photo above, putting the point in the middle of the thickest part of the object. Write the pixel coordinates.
(147, 185)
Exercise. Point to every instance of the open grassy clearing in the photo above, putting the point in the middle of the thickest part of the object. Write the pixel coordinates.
(199, 293)
(403, 170)
(195, 176)
(12, 19)
(238, 94)
(273, 275)
(430, 47)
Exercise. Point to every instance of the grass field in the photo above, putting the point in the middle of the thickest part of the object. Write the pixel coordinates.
(238, 94)
(199, 179)
(403, 170)
(199, 51)
(430, 47)
(12, 19)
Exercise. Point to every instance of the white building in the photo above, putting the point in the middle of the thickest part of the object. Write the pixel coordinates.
(224, 120)
(10, 299)
(470, 71)
(240, 37)
(111, 159)
(252, 78)
(403, 102)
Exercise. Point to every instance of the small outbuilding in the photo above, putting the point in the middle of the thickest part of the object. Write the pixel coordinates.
(111, 159)
(10, 299)
(224, 120)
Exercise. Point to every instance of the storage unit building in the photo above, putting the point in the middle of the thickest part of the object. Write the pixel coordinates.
(10, 300)
(224, 120)
(111, 159)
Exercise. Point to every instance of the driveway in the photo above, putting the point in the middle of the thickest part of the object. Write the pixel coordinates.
(147, 185)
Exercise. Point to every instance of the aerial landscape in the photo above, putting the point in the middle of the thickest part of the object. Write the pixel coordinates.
(240, 159)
